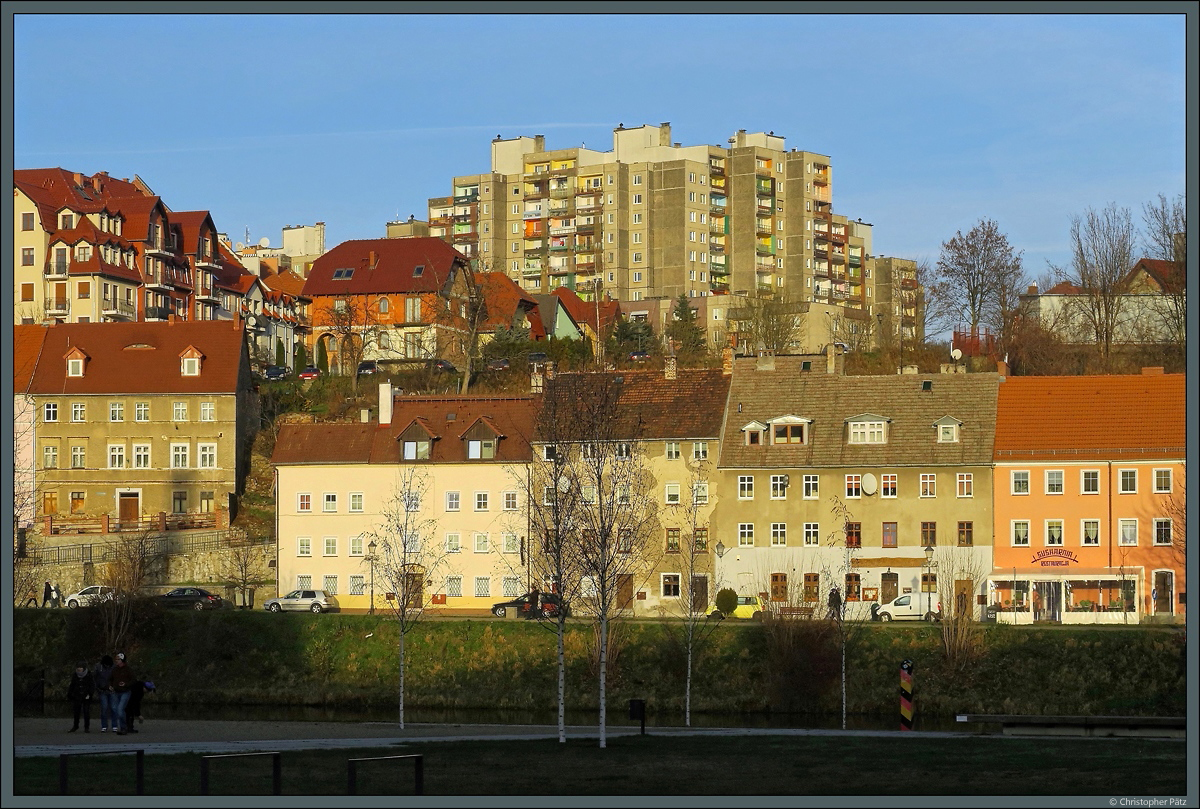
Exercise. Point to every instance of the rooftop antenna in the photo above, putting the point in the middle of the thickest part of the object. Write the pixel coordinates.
(247, 234)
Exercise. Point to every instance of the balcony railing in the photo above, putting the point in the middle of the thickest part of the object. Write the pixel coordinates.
(715, 170)
(157, 281)
(837, 258)
(57, 269)
(716, 247)
(837, 238)
(536, 193)
(58, 306)
(762, 228)
(160, 247)
(466, 199)
(538, 214)
(468, 236)
(562, 230)
(117, 308)
(158, 312)
(764, 249)
(532, 271)
(563, 192)
(207, 262)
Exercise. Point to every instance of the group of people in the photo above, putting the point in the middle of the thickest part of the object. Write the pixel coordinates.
(51, 595)
(114, 686)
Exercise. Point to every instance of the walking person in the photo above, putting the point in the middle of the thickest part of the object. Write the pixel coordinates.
(56, 596)
(105, 693)
(133, 711)
(835, 604)
(80, 693)
(121, 682)
(47, 595)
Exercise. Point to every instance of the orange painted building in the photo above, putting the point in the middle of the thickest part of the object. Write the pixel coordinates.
(1089, 499)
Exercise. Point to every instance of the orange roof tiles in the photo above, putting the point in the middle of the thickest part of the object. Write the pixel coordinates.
(585, 312)
(27, 348)
(1093, 417)
(396, 261)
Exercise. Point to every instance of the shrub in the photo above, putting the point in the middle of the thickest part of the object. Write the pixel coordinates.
(726, 601)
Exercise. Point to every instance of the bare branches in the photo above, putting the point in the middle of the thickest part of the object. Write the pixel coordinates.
(130, 559)
(1164, 229)
(770, 323)
(977, 274)
(243, 565)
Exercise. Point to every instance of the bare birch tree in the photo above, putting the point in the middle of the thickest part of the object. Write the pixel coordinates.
(960, 573)
(973, 271)
(1101, 257)
(131, 558)
(772, 324)
(1164, 237)
(408, 559)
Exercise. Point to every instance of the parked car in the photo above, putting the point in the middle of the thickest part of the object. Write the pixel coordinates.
(89, 596)
(191, 598)
(911, 607)
(537, 357)
(639, 356)
(367, 367)
(275, 372)
(310, 372)
(548, 605)
(445, 366)
(498, 365)
(752, 607)
(301, 601)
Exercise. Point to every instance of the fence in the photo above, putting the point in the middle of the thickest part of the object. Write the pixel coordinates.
(157, 546)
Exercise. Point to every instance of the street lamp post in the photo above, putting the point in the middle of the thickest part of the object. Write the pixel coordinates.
(371, 558)
(926, 583)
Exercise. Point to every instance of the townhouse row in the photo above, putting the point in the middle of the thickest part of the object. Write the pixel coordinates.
(1055, 499)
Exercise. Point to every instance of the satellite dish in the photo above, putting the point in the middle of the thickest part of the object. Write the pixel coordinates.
(563, 483)
(252, 320)
(869, 484)
(239, 246)
(264, 242)
(956, 354)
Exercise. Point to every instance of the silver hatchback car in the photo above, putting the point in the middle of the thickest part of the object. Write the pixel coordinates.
(302, 601)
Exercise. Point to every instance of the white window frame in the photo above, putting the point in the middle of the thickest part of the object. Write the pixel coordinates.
(745, 535)
(671, 495)
(947, 433)
(50, 456)
(1158, 523)
(358, 584)
(356, 545)
(453, 501)
(453, 542)
(853, 487)
(356, 502)
(329, 546)
(1012, 533)
(672, 451)
(512, 501)
(206, 456)
(778, 534)
(50, 412)
(1122, 524)
(179, 411)
(745, 487)
(812, 487)
(141, 411)
(1062, 530)
(78, 456)
(208, 411)
(779, 487)
(868, 432)
(1083, 473)
(699, 450)
(511, 587)
(884, 488)
(78, 412)
(931, 479)
(480, 542)
(509, 543)
(481, 501)
(1170, 479)
(812, 534)
(1121, 481)
(181, 452)
(1083, 543)
(329, 502)
(304, 546)
(1061, 481)
(300, 503)
(700, 493)
(965, 484)
(1012, 482)
(454, 586)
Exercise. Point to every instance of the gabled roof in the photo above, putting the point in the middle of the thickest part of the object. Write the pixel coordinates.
(394, 270)
(191, 225)
(56, 188)
(126, 358)
(357, 443)
(287, 282)
(1063, 288)
(1091, 417)
(945, 421)
(27, 348)
(835, 400)
(648, 405)
(584, 312)
(1168, 275)
(504, 299)
(752, 425)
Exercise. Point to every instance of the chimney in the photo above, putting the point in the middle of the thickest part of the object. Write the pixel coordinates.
(536, 384)
(835, 360)
(1153, 370)
(1002, 367)
(664, 133)
(385, 403)
(549, 369)
(364, 415)
(727, 361)
(1033, 289)
(372, 259)
(539, 143)
(78, 177)
(670, 368)
(766, 361)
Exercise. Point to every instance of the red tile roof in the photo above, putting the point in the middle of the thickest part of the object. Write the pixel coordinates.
(1063, 288)
(141, 357)
(27, 348)
(396, 261)
(504, 299)
(191, 226)
(584, 312)
(287, 282)
(371, 443)
(1167, 274)
(1091, 417)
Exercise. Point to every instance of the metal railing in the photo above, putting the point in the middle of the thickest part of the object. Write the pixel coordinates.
(418, 763)
(276, 769)
(159, 546)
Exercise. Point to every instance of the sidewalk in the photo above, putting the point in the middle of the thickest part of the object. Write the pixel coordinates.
(40, 736)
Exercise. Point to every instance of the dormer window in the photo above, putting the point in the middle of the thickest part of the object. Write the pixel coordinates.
(191, 366)
(343, 273)
(416, 450)
(754, 433)
(868, 429)
(67, 221)
(947, 429)
(74, 367)
(789, 430)
(481, 449)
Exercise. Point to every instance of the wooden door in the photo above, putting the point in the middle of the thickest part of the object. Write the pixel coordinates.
(964, 592)
(889, 587)
(624, 591)
(128, 510)
(699, 593)
(1164, 584)
(779, 587)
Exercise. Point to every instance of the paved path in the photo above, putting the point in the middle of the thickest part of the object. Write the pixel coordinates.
(40, 736)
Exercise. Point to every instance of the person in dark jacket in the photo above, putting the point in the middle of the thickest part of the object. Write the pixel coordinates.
(105, 693)
(133, 711)
(47, 595)
(121, 681)
(80, 693)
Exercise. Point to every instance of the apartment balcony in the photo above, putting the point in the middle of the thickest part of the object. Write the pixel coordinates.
(160, 248)
(536, 248)
(207, 262)
(207, 294)
(467, 236)
(536, 193)
(113, 307)
(855, 261)
(718, 288)
(837, 274)
(821, 271)
(823, 235)
(837, 258)
(460, 218)
(562, 230)
(56, 271)
(178, 279)
(562, 192)
(764, 249)
(158, 313)
(820, 252)
(908, 283)
(585, 263)
(837, 238)
(821, 176)
(558, 248)
(762, 228)
(303, 323)
(854, 280)
(585, 246)
(535, 214)
(532, 272)
(716, 170)
(560, 271)
(157, 282)
(764, 190)
(58, 306)
(716, 247)
(717, 206)
(588, 207)
(716, 227)
(561, 211)
(589, 227)
(764, 288)
(466, 199)
(764, 206)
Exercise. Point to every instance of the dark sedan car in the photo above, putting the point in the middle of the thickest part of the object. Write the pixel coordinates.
(548, 605)
(275, 372)
(191, 598)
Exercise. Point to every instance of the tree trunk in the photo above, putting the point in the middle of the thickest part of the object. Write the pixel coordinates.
(562, 692)
(603, 678)
(687, 691)
(402, 678)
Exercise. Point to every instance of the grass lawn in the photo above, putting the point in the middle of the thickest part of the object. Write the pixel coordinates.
(763, 765)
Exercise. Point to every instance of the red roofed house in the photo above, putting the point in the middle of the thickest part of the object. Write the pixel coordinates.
(27, 348)
(139, 424)
(1088, 499)
(588, 313)
(390, 300)
(508, 306)
(457, 462)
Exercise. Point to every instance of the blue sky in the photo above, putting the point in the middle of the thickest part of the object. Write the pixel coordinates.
(932, 122)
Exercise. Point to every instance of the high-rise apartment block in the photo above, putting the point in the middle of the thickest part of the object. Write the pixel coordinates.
(652, 218)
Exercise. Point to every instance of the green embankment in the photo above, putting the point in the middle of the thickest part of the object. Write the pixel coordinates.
(258, 658)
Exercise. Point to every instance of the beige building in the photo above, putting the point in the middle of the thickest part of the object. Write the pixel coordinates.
(835, 481)
(654, 219)
(140, 423)
(459, 461)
